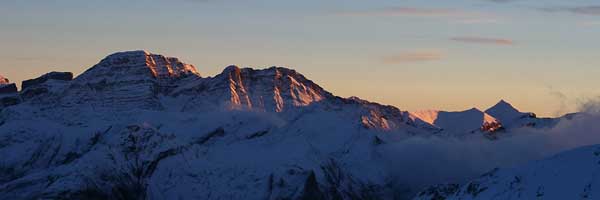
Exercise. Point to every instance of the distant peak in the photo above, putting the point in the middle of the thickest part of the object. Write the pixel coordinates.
(474, 110)
(502, 106)
(231, 68)
(505, 112)
(503, 102)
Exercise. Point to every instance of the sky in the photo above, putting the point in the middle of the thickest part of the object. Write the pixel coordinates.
(541, 56)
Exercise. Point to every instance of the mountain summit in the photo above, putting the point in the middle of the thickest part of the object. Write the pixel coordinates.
(505, 111)
(140, 62)
(273, 89)
(510, 117)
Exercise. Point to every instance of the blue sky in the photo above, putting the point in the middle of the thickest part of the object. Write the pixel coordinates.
(450, 55)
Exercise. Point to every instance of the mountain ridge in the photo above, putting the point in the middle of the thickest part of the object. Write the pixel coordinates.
(146, 126)
(142, 79)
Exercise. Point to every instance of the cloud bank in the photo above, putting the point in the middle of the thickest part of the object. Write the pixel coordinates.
(419, 162)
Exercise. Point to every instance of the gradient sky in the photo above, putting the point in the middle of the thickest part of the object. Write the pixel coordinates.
(542, 56)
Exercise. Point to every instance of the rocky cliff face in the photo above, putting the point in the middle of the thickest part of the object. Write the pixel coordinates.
(6, 87)
(128, 79)
(61, 76)
(45, 88)
(274, 89)
(8, 93)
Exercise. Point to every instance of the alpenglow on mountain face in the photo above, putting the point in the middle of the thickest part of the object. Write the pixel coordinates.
(139, 125)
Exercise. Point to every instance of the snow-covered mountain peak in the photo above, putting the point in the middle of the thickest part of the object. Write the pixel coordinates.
(503, 108)
(460, 122)
(140, 63)
(231, 68)
(429, 116)
(272, 89)
(129, 79)
(509, 115)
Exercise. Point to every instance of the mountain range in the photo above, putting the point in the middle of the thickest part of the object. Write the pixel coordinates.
(139, 125)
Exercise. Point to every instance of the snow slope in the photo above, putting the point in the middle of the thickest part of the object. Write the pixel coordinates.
(568, 175)
(502, 117)
(510, 117)
(463, 122)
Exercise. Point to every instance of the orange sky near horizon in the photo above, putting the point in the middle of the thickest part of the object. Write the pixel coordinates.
(413, 54)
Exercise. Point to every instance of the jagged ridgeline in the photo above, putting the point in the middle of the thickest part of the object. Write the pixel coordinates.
(139, 125)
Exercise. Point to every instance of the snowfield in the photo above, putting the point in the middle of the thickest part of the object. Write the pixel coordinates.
(569, 175)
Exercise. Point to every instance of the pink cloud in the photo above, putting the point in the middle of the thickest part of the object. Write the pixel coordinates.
(412, 11)
(461, 16)
(484, 40)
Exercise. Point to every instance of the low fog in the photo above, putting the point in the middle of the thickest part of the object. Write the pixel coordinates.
(419, 162)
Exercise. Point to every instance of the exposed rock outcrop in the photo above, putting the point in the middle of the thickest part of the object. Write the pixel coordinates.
(8, 88)
(61, 76)
(8, 93)
(50, 83)
(275, 89)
